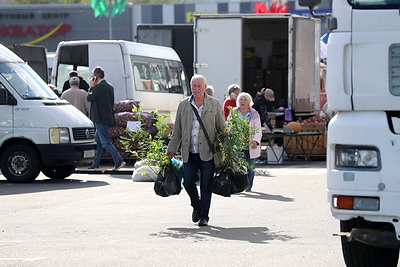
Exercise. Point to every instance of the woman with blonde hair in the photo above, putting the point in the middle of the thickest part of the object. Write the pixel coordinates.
(249, 114)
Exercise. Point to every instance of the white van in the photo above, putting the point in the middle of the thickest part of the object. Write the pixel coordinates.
(38, 131)
(153, 75)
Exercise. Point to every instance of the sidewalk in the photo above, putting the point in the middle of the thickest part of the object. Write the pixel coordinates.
(262, 165)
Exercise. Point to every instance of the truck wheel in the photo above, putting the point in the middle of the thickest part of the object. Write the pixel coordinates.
(58, 172)
(358, 254)
(20, 163)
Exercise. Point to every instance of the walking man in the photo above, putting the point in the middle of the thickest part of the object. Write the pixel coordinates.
(101, 97)
(196, 153)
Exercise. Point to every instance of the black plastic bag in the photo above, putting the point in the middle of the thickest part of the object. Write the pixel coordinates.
(239, 182)
(221, 183)
(168, 181)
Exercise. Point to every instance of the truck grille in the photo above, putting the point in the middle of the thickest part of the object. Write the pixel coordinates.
(394, 69)
(83, 133)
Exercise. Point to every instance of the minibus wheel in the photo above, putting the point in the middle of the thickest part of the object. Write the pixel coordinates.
(58, 172)
(20, 163)
(357, 254)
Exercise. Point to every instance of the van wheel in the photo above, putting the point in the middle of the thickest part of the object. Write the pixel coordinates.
(58, 172)
(357, 254)
(20, 163)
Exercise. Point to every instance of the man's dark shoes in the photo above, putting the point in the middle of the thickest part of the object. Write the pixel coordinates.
(195, 215)
(119, 165)
(203, 222)
(91, 167)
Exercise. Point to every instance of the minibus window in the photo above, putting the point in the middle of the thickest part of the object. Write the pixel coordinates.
(141, 76)
(63, 73)
(178, 78)
(158, 77)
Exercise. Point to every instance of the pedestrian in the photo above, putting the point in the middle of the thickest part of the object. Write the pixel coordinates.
(77, 96)
(101, 97)
(230, 101)
(253, 151)
(82, 83)
(196, 153)
(210, 90)
(263, 103)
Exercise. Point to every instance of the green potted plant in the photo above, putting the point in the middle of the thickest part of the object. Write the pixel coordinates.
(232, 141)
(151, 150)
(151, 144)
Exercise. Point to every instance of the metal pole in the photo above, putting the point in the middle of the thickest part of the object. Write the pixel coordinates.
(110, 20)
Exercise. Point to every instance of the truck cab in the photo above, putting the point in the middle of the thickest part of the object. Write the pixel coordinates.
(362, 84)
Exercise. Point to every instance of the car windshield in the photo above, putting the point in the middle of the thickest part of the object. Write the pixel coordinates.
(26, 82)
(375, 4)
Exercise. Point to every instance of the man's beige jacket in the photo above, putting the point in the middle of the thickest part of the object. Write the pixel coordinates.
(213, 119)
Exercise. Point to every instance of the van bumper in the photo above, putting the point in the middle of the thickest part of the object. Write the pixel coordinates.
(67, 154)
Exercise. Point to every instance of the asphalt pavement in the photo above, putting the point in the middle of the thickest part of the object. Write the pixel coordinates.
(96, 219)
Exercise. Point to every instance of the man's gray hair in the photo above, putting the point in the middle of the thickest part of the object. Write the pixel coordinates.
(196, 76)
(74, 80)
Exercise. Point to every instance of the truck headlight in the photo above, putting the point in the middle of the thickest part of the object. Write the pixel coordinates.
(59, 136)
(357, 157)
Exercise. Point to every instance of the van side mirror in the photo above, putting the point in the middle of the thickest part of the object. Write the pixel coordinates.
(6, 98)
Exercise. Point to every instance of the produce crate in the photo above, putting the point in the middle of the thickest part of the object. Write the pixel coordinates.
(307, 142)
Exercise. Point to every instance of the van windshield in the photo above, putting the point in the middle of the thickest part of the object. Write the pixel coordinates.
(25, 81)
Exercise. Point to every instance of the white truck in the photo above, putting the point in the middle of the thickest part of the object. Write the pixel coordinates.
(38, 130)
(279, 51)
(363, 86)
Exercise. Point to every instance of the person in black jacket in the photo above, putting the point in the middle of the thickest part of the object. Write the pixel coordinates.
(263, 103)
(82, 83)
(101, 97)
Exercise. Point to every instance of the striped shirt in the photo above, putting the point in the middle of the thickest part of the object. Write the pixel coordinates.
(194, 137)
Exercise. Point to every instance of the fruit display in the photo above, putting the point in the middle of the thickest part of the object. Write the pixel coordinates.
(314, 120)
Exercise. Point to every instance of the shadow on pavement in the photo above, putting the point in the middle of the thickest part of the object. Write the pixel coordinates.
(260, 235)
(260, 195)
(7, 188)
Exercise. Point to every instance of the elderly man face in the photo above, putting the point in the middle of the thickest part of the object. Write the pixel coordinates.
(198, 86)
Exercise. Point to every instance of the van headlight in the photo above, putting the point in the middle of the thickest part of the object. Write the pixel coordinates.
(59, 136)
(357, 157)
